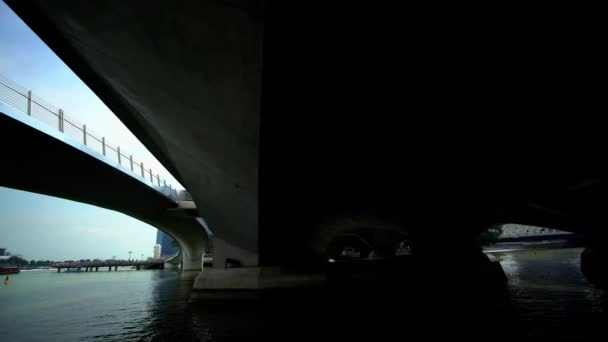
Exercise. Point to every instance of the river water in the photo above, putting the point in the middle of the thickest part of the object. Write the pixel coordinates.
(546, 296)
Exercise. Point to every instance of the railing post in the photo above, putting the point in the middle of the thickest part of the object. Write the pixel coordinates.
(142, 169)
(165, 182)
(61, 120)
(151, 179)
(131, 159)
(84, 134)
(103, 145)
(118, 150)
(158, 179)
(29, 102)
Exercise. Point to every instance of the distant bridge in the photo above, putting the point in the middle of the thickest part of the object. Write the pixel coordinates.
(37, 108)
(89, 266)
(54, 155)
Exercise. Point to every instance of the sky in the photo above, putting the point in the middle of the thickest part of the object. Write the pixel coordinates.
(43, 227)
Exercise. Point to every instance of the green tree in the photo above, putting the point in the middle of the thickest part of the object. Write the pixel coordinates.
(17, 261)
(490, 235)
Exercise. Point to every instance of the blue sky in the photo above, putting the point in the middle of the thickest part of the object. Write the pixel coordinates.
(42, 227)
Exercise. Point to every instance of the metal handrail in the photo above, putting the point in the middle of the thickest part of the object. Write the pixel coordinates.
(13, 94)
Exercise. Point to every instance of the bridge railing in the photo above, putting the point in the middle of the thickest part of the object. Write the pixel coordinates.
(30, 104)
(102, 263)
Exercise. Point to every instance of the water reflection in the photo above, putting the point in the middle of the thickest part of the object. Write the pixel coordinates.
(170, 314)
(552, 297)
(546, 296)
(384, 312)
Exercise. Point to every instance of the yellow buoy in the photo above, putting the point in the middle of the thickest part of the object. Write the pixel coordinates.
(6, 280)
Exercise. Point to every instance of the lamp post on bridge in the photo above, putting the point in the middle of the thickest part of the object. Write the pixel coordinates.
(130, 255)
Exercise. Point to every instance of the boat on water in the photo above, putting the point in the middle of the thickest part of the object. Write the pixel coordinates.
(9, 270)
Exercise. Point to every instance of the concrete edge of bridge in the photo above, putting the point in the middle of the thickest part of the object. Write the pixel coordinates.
(245, 282)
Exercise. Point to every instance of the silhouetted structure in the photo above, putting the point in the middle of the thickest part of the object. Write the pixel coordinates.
(379, 120)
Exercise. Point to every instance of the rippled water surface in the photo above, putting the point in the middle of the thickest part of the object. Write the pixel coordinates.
(123, 305)
(546, 296)
(552, 298)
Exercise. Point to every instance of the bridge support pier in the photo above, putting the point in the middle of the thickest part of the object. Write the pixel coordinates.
(236, 272)
(191, 261)
(110, 269)
(169, 265)
(594, 261)
(190, 234)
(222, 283)
(97, 269)
(115, 268)
(226, 256)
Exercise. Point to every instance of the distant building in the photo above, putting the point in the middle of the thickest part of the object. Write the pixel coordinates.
(2, 251)
(157, 249)
(168, 245)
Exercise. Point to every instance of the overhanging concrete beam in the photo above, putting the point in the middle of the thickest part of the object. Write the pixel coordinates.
(199, 119)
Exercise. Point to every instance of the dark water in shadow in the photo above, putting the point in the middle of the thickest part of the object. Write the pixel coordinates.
(551, 298)
(546, 296)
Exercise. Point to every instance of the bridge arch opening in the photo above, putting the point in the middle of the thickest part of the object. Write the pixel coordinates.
(368, 244)
(524, 249)
(513, 233)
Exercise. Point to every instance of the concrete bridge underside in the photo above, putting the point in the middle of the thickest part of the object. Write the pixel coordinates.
(292, 121)
(39, 162)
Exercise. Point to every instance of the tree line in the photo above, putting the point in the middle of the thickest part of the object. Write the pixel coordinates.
(19, 261)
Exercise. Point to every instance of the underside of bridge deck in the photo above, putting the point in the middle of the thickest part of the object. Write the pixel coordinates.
(289, 121)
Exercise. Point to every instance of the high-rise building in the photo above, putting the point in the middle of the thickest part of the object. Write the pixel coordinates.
(157, 249)
(168, 245)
